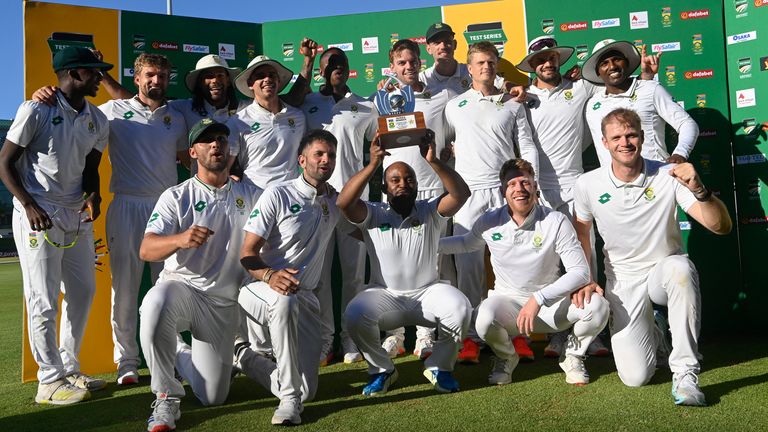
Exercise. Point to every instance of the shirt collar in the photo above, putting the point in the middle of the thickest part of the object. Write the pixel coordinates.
(477, 95)
(260, 109)
(212, 190)
(64, 105)
(442, 78)
(137, 104)
(627, 94)
(637, 182)
(529, 220)
(306, 189)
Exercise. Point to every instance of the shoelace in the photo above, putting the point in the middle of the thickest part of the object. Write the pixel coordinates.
(163, 406)
(499, 365)
(693, 378)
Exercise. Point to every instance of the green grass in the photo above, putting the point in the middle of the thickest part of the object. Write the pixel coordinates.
(735, 380)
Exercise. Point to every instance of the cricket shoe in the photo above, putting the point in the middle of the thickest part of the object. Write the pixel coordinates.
(597, 348)
(60, 392)
(127, 377)
(288, 413)
(522, 349)
(556, 345)
(351, 353)
(423, 347)
(686, 391)
(379, 383)
(442, 381)
(394, 345)
(165, 412)
(86, 382)
(501, 370)
(575, 372)
(470, 352)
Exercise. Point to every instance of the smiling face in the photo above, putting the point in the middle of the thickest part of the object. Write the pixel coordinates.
(318, 160)
(152, 82)
(547, 66)
(613, 68)
(264, 82)
(406, 64)
(89, 80)
(519, 189)
(214, 82)
(624, 142)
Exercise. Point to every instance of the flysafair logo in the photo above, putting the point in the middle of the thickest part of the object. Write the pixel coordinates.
(91, 127)
(200, 206)
(671, 75)
(253, 214)
(604, 198)
(666, 16)
(745, 67)
(255, 126)
(698, 46)
(596, 106)
(295, 208)
(462, 103)
(701, 100)
(239, 203)
(648, 194)
(128, 115)
(604, 23)
(57, 120)
(568, 94)
(496, 236)
(538, 240)
(167, 121)
(385, 227)
(547, 26)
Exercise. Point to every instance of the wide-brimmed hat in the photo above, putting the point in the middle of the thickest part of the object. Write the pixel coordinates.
(207, 62)
(627, 49)
(73, 57)
(283, 73)
(203, 126)
(543, 44)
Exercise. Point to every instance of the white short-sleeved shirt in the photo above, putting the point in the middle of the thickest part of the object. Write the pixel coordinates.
(431, 102)
(352, 120)
(458, 83)
(656, 108)
(526, 258)
(269, 143)
(637, 220)
(56, 141)
(215, 266)
(222, 115)
(403, 251)
(297, 225)
(143, 146)
(557, 117)
(489, 130)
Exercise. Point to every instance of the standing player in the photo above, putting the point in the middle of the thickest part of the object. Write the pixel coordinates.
(352, 119)
(196, 229)
(50, 162)
(611, 63)
(634, 202)
(286, 234)
(527, 244)
(402, 237)
(490, 128)
(146, 137)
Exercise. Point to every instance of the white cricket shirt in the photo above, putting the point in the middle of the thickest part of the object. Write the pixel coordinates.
(56, 140)
(296, 224)
(215, 266)
(637, 220)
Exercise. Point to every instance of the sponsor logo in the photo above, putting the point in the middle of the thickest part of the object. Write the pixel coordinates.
(750, 159)
(759, 3)
(200, 206)
(139, 43)
(605, 23)
(288, 50)
(745, 67)
(385, 227)
(684, 225)
(295, 208)
(754, 220)
(344, 46)
(604, 198)
(573, 26)
(496, 236)
(254, 213)
(701, 100)
(197, 49)
(370, 45)
(462, 103)
(665, 46)
(666, 16)
(582, 51)
(740, 6)
(764, 63)
(697, 44)
(227, 51)
(169, 46)
(697, 74)
(57, 120)
(128, 115)
(596, 106)
(706, 164)
(353, 74)
(742, 37)
(421, 40)
(638, 20)
(548, 26)
(707, 133)
(671, 75)
(255, 126)
(748, 126)
(694, 14)
(745, 98)
(154, 217)
(386, 71)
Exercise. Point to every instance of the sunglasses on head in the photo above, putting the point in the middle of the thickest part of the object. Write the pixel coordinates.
(542, 44)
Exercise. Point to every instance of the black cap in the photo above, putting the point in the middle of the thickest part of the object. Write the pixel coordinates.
(204, 126)
(438, 28)
(73, 57)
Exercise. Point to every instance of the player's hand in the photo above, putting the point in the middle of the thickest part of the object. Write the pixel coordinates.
(377, 152)
(98, 54)
(308, 48)
(194, 237)
(46, 95)
(390, 86)
(649, 63)
(516, 91)
(676, 159)
(574, 73)
(527, 315)
(687, 176)
(37, 217)
(283, 281)
(427, 147)
(92, 206)
(583, 295)
(447, 152)
(235, 178)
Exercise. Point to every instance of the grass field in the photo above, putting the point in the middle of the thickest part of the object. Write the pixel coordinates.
(735, 380)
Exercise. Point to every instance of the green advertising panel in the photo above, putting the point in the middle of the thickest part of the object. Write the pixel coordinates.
(747, 64)
(690, 35)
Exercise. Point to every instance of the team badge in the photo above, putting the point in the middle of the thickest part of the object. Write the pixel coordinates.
(496, 236)
(427, 95)
(385, 227)
(291, 122)
(128, 115)
(538, 240)
(167, 121)
(596, 106)
(294, 208)
(91, 127)
(255, 126)
(354, 108)
(416, 225)
(200, 206)
(633, 98)
(240, 203)
(648, 194)
(568, 94)
(465, 84)
(324, 206)
(666, 16)
(604, 198)
(57, 120)
(33, 242)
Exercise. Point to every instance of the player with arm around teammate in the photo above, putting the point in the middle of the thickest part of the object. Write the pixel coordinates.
(402, 236)
(527, 243)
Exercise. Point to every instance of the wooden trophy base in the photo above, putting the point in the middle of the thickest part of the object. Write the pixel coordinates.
(401, 130)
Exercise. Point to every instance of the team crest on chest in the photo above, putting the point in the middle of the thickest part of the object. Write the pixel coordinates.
(465, 84)
(648, 194)
(291, 122)
(324, 206)
(633, 98)
(538, 240)
(313, 110)
(240, 203)
(353, 108)
(417, 225)
(91, 127)
(167, 121)
(568, 95)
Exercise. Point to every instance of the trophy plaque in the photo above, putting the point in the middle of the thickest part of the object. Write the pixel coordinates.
(399, 126)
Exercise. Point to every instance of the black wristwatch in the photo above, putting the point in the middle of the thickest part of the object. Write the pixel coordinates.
(705, 195)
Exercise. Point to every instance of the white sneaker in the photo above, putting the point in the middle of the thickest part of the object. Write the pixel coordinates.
(165, 412)
(424, 346)
(556, 345)
(127, 377)
(288, 413)
(394, 346)
(501, 371)
(60, 392)
(686, 391)
(351, 353)
(86, 382)
(597, 348)
(575, 372)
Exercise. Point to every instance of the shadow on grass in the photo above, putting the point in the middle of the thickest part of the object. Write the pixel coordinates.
(715, 391)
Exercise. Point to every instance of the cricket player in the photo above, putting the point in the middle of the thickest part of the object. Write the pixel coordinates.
(611, 63)
(490, 128)
(401, 236)
(286, 236)
(195, 228)
(634, 202)
(527, 244)
(50, 162)
(352, 119)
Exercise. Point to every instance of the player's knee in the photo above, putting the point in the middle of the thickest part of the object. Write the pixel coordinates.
(354, 313)
(212, 399)
(485, 320)
(636, 377)
(599, 311)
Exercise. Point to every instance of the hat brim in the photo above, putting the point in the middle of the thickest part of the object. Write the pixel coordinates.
(565, 55)
(97, 65)
(191, 79)
(434, 35)
(626, 48)
(283, 73)
(215, 127)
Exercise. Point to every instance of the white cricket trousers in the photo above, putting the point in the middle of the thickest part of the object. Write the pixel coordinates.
(295, 330)
(673, 282)
(439, 306)
(497, 321)
(47, 270)
(171, 307)
(127, 218)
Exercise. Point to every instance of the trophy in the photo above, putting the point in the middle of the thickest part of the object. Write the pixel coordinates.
(399, 126)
